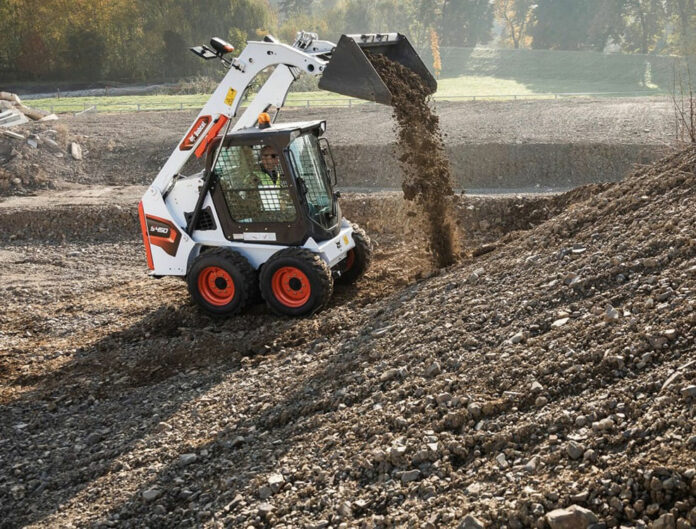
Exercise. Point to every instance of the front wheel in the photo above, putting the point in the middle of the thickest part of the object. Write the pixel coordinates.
(358, 260)
(221, 281)
(296, 282)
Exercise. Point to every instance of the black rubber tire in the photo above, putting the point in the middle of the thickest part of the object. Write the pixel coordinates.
(312, 266)
(237, 267)
(362, 258)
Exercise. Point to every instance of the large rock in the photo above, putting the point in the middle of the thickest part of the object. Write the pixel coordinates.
(574, 517)
(666, 521)
(471, 522)
(76, 151)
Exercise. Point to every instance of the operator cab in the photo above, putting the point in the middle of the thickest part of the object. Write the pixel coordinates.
(276, 184)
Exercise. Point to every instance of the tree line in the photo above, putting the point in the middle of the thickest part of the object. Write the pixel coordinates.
(139, 40)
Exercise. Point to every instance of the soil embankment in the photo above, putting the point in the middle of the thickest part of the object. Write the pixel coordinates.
(513, 145)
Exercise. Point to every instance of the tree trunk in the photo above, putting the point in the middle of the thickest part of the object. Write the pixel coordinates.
(644, 33)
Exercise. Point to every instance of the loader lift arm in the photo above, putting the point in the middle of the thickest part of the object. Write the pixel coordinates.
(343, 69)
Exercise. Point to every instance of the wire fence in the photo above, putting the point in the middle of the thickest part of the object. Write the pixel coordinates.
(147, 106)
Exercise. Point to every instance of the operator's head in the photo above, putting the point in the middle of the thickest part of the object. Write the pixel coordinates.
(269, 159)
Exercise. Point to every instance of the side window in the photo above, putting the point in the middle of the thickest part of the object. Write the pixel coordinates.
(254, 185)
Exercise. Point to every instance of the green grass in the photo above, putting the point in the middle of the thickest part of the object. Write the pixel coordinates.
(482, 73)
(481, 87)
(560, 71)
(161, 102)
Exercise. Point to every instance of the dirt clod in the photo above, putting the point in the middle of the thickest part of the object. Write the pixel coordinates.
(427, 179)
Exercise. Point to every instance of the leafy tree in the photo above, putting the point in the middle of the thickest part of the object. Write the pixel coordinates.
(645, 24)
(289, 29)
(9, 43)
(85, 53)
(576, 24)
(683, 15)
(295, 7)
(466, 22)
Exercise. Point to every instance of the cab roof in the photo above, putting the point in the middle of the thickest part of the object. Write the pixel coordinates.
(283, 132)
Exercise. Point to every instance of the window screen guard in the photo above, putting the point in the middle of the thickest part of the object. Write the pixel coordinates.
(254, 187)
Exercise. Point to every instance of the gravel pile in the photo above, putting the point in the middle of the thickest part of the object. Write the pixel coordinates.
(550, 383)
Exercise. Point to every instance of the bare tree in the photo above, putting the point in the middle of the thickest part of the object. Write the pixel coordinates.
(515, 14)
(684, 104)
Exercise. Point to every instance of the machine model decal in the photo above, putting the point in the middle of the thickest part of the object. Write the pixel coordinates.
(192, 137)
(164, 234)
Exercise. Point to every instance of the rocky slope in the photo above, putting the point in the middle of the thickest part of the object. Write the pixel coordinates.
(557, 370)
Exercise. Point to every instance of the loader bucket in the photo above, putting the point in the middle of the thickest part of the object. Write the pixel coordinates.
(350, 72)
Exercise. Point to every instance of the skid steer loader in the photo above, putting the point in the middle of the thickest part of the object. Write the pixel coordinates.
(263, 215)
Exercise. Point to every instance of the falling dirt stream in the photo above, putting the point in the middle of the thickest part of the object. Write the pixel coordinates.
(427, 179)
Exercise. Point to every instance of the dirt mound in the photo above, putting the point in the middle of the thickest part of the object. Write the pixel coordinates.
(38, 156)
(427, 178)
(557, 370)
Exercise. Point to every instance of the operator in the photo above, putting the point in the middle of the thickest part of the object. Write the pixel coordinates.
(268, 175)
(270, 165)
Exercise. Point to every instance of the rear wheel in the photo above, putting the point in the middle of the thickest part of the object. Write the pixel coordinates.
(221, 281)
(296, 282)
(358, 260)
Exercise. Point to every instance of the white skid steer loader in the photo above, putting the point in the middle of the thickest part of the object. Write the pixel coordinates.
(263, 215)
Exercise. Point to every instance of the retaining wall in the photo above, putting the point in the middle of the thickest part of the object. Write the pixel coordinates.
(492, 165)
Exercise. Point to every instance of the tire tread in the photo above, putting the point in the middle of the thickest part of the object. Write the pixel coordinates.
(318, 266)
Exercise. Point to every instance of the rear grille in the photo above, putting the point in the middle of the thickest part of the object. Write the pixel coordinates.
(206, 222)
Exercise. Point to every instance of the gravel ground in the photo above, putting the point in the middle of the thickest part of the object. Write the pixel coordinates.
(556, 370)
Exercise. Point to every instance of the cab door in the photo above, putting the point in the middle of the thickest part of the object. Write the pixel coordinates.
(255, 197)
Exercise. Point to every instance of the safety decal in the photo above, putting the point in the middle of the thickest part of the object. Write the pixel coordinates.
(231, 94)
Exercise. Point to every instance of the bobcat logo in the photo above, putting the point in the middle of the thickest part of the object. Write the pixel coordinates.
(192, 136)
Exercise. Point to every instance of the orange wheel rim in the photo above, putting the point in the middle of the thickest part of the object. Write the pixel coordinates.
(216, 286)
(350, 260)
(291, 286)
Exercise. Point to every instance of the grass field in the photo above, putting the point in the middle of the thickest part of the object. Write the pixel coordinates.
(481, 73)
(481, 87)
